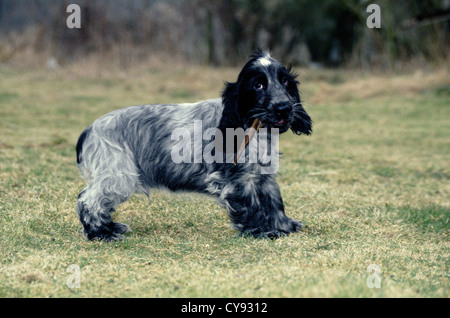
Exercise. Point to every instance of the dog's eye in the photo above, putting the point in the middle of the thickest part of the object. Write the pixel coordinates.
(259, 86)
(285, 81)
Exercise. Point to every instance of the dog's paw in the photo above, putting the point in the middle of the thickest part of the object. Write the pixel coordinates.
(264, 234)
(108, 233)
(284, 229)
(295, 226)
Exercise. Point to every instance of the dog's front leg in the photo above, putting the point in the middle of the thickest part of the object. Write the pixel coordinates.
(255, 207)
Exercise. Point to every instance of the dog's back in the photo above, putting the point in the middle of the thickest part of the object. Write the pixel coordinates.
(117, 139)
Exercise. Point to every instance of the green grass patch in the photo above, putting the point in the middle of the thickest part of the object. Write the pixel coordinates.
(7, 96)
(433, 219)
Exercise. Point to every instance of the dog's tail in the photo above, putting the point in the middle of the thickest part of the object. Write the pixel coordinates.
(80, 142)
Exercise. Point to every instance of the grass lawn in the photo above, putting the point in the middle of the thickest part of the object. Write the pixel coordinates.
(371, 183)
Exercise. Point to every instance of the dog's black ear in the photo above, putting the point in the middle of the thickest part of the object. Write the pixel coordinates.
(230, 115)
(302, 123)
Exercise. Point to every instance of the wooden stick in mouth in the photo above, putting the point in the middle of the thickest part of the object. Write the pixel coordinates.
(256, 126)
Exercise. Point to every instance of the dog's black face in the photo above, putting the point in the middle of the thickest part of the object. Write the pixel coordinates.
(267, 91)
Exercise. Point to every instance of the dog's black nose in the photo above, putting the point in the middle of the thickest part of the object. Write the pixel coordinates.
(282, 111)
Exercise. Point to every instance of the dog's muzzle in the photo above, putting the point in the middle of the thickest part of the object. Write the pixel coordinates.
(283, 114)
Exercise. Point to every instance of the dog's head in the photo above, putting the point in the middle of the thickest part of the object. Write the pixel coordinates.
(265, 90)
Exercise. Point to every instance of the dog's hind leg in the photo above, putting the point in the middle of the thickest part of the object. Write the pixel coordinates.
(109, 168)
(97, 202)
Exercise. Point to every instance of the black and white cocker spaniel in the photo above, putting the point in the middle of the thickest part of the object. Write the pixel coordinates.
(193, 147)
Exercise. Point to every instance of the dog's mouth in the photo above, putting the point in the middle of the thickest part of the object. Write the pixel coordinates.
(279, 124)
(282, 124)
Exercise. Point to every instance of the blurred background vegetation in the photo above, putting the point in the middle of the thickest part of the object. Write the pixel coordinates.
(220, 33)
